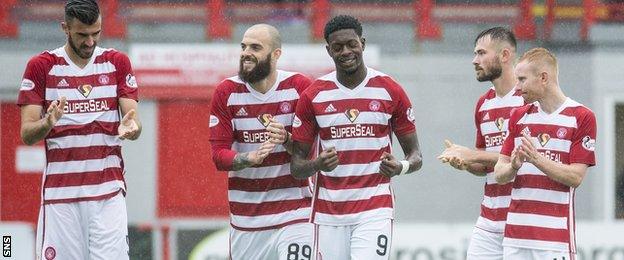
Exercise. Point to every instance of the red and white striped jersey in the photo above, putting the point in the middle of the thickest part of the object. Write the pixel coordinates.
(541, 213)
(265, 196)
(82, 150)
(358, 123)
(492, 121)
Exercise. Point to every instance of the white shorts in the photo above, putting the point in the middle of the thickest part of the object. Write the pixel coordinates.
(364, 241)
(516, 253)
(83, 230)
(485, 245)
(292, 242)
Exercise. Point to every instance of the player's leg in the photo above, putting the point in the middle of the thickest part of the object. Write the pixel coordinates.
(60, 232)
(294, 242)
(552, 255)
(331, 242)
(372, 240)
(485, 245)
(108, 228)
(251, 245)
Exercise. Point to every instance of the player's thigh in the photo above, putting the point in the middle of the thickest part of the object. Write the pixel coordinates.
(485, 245)
(294, 242)
(60, 232)
(372, 240)
(251, 245)
(331, 242)
(108, 228)
(515, 253)
(552, 255)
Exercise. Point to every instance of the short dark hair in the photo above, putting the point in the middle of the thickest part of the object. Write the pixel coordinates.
(342, 22)
(501, 34)
(86, 11)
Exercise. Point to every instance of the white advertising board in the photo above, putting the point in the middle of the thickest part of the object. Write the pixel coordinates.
(189, 65)
(439, 241)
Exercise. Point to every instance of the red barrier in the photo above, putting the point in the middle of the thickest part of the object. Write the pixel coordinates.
(20, 192)
(113, 25)
(189, 185)
(218, 27)
(426, 28)
(8, 28)
(320, 15)
(589, 7)
(549, 20)
(525, 27)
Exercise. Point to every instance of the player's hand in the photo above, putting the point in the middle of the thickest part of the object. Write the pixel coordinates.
(327, 161)
(55, 111)
(389, 166)
(527, 150)
(455, 155)
(277, 132)
(128, 126)
(516, 158)
(257, 157)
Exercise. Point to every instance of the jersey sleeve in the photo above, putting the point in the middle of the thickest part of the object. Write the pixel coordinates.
(32, 87)
(509, 143)
(127, 86)
(301, 83)
(304, 124)
(480, 139)
(403, 121)
(221, 134)
(584, 139)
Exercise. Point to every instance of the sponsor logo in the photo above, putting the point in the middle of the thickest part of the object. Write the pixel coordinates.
(526, 131)
(352, 114)
(131, 81)
(255, 137)
(85, 90)
(103, 79)
(296, 122)
(561, 133)
(50, 253)
(91, 105)
(352, 131)
(588, 143)
(63, 83)
(285, 107)
(265, 119)
(486, 116)
(214, 120)
(27, 85)
(374, 105)
(6, 246)
(495, 140)
(500, 122)
(242, 112)
(551, 155)
(543, 138)
(330, 109)
(410, 115)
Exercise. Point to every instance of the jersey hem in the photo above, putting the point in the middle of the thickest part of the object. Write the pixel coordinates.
(72, 200)
(278, 226)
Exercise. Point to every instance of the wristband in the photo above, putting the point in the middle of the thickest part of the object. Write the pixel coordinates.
(514, 168)
(405, 167)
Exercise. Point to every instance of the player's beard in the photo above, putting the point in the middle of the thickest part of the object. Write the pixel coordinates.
(83, 51)
(258, 73)
(495, 72)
